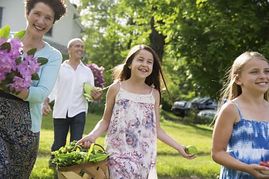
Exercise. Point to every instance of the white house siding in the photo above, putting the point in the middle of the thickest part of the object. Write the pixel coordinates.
(13, 14)
(63, 30)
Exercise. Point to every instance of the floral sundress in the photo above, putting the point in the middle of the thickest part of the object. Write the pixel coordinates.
(131, 138)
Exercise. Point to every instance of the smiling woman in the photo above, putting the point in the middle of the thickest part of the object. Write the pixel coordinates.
(20, 119)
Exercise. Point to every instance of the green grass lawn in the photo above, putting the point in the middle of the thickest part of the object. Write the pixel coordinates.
(170, 165)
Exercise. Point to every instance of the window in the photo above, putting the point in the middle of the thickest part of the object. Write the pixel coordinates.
(1, 16)
(49, 33)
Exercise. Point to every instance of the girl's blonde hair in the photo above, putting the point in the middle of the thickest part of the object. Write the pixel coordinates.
(232, 90)
(122, 72)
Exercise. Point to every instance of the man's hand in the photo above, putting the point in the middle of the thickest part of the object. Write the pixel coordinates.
(96, 93)
(46, 107)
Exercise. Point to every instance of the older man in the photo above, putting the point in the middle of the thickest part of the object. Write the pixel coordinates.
(70, 106)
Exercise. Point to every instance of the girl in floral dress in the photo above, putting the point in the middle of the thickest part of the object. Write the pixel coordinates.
(20, 114)
(131, 118)
(241, 132)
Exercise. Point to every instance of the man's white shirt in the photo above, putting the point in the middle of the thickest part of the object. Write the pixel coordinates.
(68, 90)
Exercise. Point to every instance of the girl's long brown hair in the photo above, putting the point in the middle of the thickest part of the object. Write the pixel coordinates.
(122, 72)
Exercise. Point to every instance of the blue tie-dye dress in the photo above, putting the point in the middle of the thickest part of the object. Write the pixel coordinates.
(249, 143)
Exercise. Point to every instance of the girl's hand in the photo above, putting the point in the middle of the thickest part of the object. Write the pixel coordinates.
(182, 151)
(86, 141)
(257, 171)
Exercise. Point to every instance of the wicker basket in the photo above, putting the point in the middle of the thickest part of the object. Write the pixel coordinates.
(97, 170)
(91, 170)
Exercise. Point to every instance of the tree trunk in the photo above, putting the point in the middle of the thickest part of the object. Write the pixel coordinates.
(157, 40)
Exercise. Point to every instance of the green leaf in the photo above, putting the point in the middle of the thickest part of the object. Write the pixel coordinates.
(35, 76)
(98, 157)
(18, 60)
(42, 60)
(89, 153)
(31, 51)
(5, 31)
(19, 34)
(5, 46)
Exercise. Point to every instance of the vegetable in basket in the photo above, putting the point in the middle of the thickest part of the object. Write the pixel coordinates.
(73, 154)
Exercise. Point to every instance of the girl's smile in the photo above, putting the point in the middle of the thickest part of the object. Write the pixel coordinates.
(255, 75)
(142, 64)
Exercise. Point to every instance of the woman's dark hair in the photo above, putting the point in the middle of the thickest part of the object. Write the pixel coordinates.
(58, 6)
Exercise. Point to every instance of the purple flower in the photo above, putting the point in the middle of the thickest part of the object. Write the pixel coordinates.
(20, 84)
(2, 76)
(28, 66)
(7, 64)
(16, 48)
(32, 64)
(16, 69)
(98, 74)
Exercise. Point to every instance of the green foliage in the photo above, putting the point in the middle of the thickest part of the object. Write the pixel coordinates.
(74, 154)
(97, 107)
(4, 32)
(208, 35)
(202, 37)
(19, 34)
(204, 120)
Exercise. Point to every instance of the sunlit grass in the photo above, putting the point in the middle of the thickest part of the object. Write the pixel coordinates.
(170, 165)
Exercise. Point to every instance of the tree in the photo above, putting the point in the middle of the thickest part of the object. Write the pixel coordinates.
(209, 34)
(197, 39)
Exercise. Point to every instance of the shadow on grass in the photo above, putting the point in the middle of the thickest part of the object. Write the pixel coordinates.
(177, 154)
(201, 130)
(43, 153)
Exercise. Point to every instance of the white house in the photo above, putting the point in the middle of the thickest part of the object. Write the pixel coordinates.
(68, 27)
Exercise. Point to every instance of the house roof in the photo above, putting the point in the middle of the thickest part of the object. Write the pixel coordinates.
(58, 46)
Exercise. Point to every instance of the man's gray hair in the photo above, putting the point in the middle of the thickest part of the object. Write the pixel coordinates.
(73, 40)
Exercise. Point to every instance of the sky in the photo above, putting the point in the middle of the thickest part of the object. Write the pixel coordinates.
(74, 1)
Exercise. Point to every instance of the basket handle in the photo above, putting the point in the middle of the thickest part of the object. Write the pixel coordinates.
(91, 149)
(100, 146)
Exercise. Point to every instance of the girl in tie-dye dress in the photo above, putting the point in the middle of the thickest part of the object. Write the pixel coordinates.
(131, 118)
(241, 132)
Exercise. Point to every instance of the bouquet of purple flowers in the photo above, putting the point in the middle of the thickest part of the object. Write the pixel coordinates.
(98, 74)
(17, 69)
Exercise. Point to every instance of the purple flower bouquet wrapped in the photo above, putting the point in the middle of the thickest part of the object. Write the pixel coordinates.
(17, 69)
